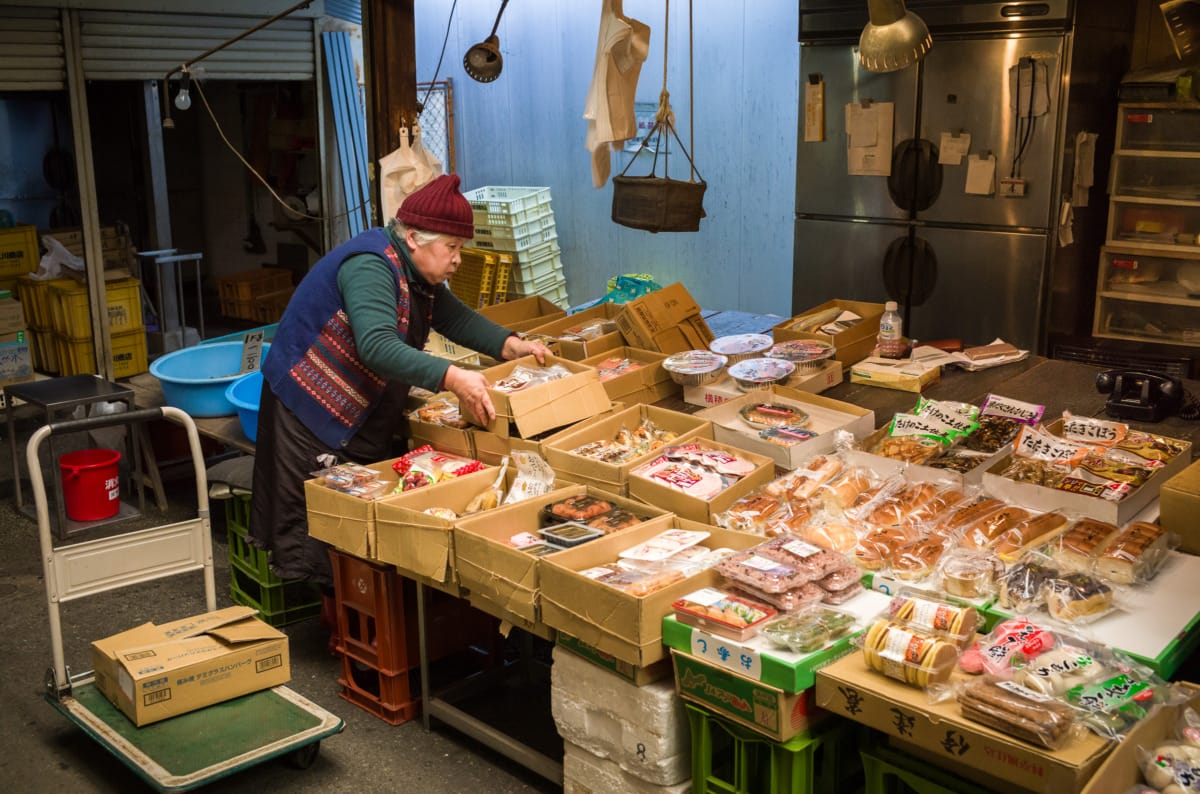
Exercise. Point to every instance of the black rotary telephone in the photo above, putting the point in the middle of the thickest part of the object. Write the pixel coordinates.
(1144, 396)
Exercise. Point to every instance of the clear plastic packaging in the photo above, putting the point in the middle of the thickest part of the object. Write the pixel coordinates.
(741, 346)
(830, 534)
(345, 476)
(570, 534)
(534, 477)
(426, 466)
(840, 494)
(814, 561)
(1171, 767)
(875, 549)
(664, 545)
(1076, 549)
(930, 614)
(981, 534)
(1031, 533)
(907, 655)
(1017, 711)
(763, 414)
(793, 600)
(917, 559)
(1015, 643)
(806, 354)
(695, 367)
(894, 509)
(803, 482)
(582, 507)
(1070, 663)
(441, 412)
(614, 520)
(642, 581)
(1111, 706)
(810, 630)
(761, 373)
(965, 515)
(522, 377)
(723, 613)
(616, 366)
(764, 573)
(1077, 597)
(1022, 588)
(1135, 554)
(970, 574)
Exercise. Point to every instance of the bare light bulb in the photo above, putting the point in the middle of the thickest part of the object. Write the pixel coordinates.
(183, 100)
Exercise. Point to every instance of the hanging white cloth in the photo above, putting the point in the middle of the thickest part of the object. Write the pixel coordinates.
(405, 171)
(621, 48)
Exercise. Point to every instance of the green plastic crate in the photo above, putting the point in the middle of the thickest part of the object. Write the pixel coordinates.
(888, 771)
(277, 604)
(730, 759)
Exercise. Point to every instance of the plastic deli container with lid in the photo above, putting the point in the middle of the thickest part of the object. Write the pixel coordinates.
(740, 346)
(761, 373)
(806, 354)
(723, 613)
(695, 367)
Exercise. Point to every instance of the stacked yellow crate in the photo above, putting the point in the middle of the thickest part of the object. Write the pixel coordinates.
(258, 295)
(71, 324)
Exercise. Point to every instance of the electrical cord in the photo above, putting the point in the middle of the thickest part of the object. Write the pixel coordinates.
(442, 54)
(1030, 119)
(1189, 410)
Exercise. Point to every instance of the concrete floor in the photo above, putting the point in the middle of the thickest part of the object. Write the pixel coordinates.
(44, 752)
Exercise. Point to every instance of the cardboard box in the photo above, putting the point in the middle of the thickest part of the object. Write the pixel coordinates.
(491, 448)
(523, 314)
(420, 545)
(667, 320)
(456, 440)
(638, 676)
(727, 389)
(557, 403)
(825, 417)
(852, 345)
(12, 316)
(1120, 772)
(578, 349)
(152, 672)
(776, 714)
(700, 510)
(902, 374)
(493, 571)
(1045, 499)
(1178, 506)
(343, 521)
(16, 363)
(648, 383)
(627, 626)
(609, 476)
(848, 688)
(917, 472)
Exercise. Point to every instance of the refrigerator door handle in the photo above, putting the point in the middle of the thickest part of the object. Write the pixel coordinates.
(916, 179)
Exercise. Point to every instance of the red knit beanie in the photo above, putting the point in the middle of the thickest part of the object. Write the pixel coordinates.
(439, 207)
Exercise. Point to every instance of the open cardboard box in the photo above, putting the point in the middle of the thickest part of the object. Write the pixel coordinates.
(420, 545)
(523, 314)
(343, 521)
(917, 472)
(556, 403)
(726, 388)
(648, 383)
(456, 440)
(152, 672)
(578, 349)
(701, 510)
(494, 571)
(848, 688)
(609, 476)
(1046, 499)
(667, 320)
(850, 346)
(825, 417)
(627, 626)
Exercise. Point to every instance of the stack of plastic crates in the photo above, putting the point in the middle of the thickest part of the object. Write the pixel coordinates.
(251, 582)
(377, 635)
(516, 243)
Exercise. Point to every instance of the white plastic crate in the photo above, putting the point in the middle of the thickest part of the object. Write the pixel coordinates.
(537, 270)
(528, 236)
(538, 287)
(498, 206)
(540, 222)
(536, 252)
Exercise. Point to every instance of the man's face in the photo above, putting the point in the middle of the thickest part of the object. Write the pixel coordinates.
(435, 261)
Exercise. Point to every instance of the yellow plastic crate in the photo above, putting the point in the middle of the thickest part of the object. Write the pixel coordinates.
(70, 315)
(43, 351)
(34, 296)
(78, 356)
(268, 308)
(18, 251)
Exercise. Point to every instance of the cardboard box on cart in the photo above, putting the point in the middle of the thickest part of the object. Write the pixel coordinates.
(851, 345)
(848, 688)
(545, 406)
(494, 571)
(613, 621)
(609, 476)
(344, 521)
(667, 320)
(152, 672)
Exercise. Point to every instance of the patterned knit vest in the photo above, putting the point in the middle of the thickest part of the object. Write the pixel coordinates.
(314, 367)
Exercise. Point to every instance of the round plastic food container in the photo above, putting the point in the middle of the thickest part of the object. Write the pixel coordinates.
(738, 347)
(695, 367)
(761, 373)
(806, 354)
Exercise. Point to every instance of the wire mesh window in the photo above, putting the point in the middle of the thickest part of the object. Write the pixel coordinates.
(437, 120)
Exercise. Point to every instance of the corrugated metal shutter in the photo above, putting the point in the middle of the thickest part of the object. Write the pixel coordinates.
(145, 46)
(31, 50)
(349, 10)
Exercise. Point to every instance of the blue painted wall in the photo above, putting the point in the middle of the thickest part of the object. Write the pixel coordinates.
(527, 128)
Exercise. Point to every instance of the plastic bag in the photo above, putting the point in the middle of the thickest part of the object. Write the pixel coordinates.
(534, 477)
(404, 171)
(55, 259)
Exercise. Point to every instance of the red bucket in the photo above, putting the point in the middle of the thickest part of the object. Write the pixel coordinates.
(91, 485)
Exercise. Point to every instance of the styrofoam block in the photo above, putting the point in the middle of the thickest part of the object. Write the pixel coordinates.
(642, 729)
(585, 773)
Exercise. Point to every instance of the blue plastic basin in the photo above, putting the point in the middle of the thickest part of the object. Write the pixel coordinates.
(244, 393)
(195, 379)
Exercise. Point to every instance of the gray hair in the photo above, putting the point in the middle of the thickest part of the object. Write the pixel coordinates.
(400, 229)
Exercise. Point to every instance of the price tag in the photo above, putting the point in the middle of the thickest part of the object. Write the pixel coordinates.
(721, 652)
(1027, 413)
(1044, 446)
(1085, 429)
(952, 419)
(252, 351)
(913, 425)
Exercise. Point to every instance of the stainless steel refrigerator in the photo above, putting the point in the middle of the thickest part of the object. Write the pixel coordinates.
(961, 265)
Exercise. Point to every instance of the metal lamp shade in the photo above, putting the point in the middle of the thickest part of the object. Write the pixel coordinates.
(893, 39)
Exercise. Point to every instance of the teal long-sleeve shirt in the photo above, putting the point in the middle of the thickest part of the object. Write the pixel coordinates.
(367, 284)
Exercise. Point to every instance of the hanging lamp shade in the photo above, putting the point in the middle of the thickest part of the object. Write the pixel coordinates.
(893, 39)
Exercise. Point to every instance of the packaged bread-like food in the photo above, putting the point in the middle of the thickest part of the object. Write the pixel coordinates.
(983, 533)
(804, 481)
(751, 513)
(936, 616)
(1021, 589)
(840, 494)
(900, 505)
(832, 535)
(1077, 548)
(965, 515)
(910, 656)
(1135, 554)
(916, 560)
(1078, 597)
(937, 509)
(1028, 534)
(1017, 711)
(875, 548)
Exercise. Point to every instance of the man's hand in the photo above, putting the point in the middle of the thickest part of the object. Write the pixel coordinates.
(470, 388)
(516, 347)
